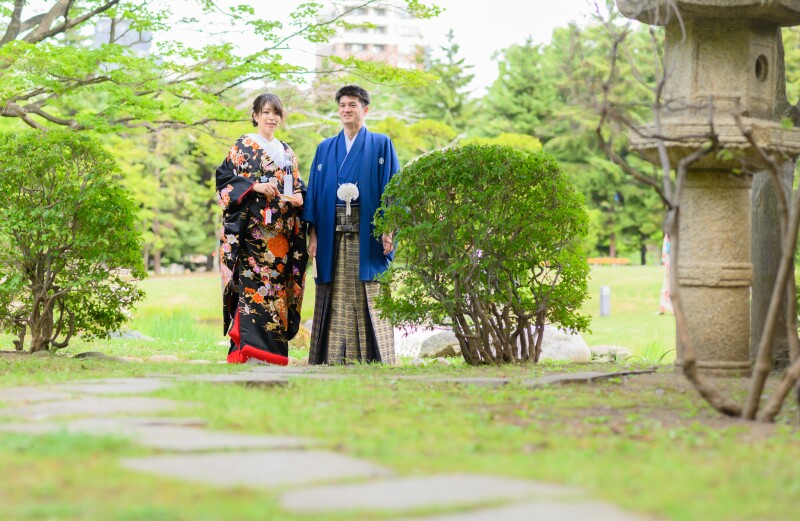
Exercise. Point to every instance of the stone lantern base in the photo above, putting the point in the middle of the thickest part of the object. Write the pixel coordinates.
(714, 270)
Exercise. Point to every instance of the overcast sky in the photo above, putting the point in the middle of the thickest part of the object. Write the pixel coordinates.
(482, 27)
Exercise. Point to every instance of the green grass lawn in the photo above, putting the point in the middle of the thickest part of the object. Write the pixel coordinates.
(634, 321)
(184, 316)
(648, 444)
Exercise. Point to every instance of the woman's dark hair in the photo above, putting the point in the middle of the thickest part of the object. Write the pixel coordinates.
(355, 91)
(267, 99)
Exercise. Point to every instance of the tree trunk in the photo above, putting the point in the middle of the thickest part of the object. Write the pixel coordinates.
(42, 328)
(643, 252)
(612, 245)
(157, 262)
(766, 253)
(156, 227)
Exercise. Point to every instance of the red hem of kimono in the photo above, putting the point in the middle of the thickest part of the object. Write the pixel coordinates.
(246, 352)
(264, 356)
(236, 357)
(241, 197)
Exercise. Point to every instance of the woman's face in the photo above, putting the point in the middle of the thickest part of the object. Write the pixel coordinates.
(268, 120)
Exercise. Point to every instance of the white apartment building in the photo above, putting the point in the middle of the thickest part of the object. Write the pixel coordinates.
(395, 37)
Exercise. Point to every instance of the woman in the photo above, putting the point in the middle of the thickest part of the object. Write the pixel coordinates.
(263, 244)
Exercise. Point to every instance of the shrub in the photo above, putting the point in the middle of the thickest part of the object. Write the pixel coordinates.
(489, 236)
(71, 254)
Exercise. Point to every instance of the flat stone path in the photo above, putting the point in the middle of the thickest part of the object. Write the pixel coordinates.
(308, 479)
(417, 492)
(539, 511)
(90, 406)
(259, 469)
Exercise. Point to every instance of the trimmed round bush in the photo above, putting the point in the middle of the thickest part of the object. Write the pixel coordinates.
(71, 253)
(488, 243)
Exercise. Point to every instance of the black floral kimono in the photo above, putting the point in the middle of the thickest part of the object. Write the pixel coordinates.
(263, 254)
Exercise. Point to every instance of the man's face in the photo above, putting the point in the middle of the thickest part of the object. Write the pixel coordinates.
(351, 112)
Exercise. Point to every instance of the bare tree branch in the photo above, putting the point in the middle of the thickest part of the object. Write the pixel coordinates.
(14, 24)
(13, 110)
(784, 387)
(40, 34)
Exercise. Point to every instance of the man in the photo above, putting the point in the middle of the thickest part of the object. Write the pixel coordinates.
(348, 176)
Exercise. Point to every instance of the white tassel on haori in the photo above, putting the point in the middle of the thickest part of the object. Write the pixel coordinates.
(347, 192)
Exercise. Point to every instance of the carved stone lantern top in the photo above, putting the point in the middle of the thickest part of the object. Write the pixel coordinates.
(722, 58)
(663, 12)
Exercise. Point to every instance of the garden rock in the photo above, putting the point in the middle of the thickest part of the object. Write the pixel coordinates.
(441, 344)
(199, 362)
(130, 334)
(561, 345)
(417, 362)
(99, 356)
(611, 352)
(441, 361)
(408, 342)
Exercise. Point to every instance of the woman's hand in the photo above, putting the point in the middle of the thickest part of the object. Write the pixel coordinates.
(267, 189)
(312, 243)
(297, 200)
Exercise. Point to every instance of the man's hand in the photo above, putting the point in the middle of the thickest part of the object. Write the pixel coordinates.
(312, 244)
(388, 243)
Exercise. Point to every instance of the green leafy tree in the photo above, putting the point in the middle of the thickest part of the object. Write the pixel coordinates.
(416, 139)
(169, 174)
(490, 238)
(71, 253)
(548, 92)
(447, 98)
(48, 70)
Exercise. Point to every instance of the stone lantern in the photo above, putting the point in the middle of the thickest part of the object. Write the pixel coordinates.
(721, 58)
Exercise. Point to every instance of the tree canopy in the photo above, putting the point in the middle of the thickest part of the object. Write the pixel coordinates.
(56, 71)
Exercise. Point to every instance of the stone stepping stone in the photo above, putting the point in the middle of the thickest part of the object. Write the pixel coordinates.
(167, 435)
(95, 425)
(184, 438)
(115, 386)
(483, 381)
(249, 379)
(258, 469)
(31, 394)
(417, 492)
(35, 429)
(540, 511)
(188, 439)
(282, 369)
(581, 377)
(318, 376)
(91, 406)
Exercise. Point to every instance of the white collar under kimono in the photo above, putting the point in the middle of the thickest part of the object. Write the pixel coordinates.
(348, 143)
(274, 149)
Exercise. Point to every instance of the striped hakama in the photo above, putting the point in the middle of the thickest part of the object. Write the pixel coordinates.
(347, 326)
